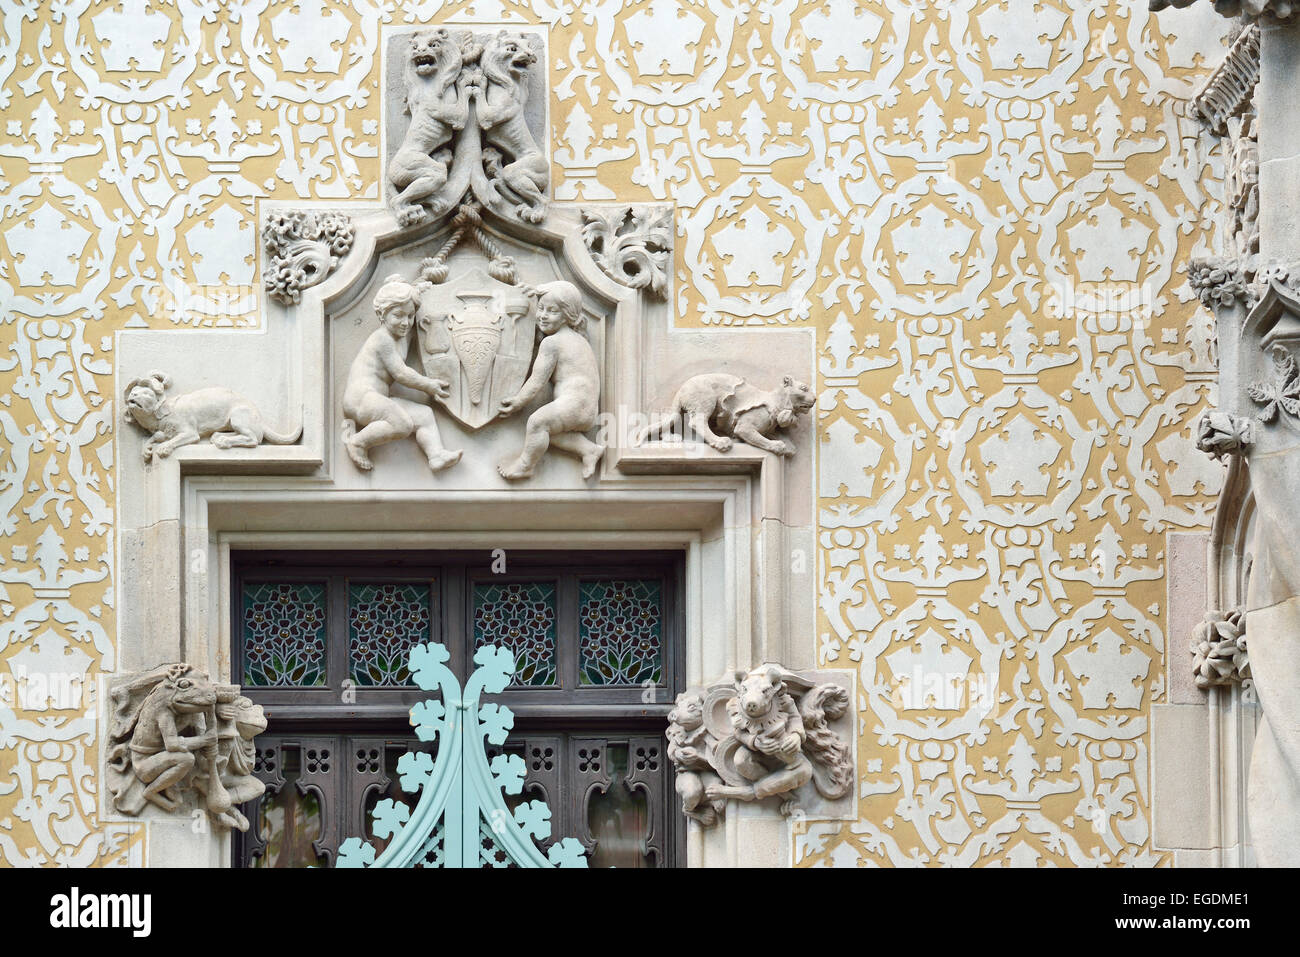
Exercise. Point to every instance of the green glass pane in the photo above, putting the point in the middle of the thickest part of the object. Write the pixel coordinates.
(284, 634)
(384, 620)
(519, 616)
(620, 632)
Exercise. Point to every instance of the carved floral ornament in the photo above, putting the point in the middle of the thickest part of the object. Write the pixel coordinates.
(1219, 655)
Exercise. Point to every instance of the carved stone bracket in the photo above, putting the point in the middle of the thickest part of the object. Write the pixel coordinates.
(303, 248)
(723, 409)
(766, 733)
(175, 731)
(633, 245)
(1219, 655)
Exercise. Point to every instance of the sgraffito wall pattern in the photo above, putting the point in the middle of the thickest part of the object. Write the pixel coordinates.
(981, 205)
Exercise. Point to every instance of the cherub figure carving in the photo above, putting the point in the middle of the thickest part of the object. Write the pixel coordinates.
(517, 173)
(227, 417)
(721, 407)
(763, 734)
(172, 729)
(690, 748)
(439, 107)
(371, 414)
(566, 359)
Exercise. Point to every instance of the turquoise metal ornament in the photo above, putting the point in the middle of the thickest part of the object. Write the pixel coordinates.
(462, 819)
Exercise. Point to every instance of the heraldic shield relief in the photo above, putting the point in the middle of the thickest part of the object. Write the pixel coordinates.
(470, 309)
(476, 334)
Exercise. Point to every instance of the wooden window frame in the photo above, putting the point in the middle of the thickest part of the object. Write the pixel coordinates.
(569, 709)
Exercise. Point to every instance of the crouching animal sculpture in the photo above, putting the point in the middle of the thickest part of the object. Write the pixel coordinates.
(227, 417)
(722, 408)
(764, 734)
(173, 730)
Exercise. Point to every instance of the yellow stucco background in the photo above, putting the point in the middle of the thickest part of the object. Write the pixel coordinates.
(982, 207)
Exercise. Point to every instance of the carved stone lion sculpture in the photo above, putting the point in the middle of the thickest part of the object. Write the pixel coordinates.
(227, 417)
(722, 407)
(174, 729)
(517, 173)
(764, 734)
(439, 107)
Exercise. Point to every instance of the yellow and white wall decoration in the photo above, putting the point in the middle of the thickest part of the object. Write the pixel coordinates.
(982, 206)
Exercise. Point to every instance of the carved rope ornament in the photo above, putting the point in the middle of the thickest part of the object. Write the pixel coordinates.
(175, 732)
(462, 818)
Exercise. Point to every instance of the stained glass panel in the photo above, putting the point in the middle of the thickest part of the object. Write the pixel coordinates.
(519, 616)
(384, 620)
(284, 634)
(620, 632)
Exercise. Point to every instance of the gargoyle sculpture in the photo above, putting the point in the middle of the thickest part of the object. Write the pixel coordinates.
(173, 730)
(721, 408)
(227, 417)
(765, 734)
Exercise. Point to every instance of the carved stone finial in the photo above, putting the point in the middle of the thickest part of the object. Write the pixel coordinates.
(1271, 10)
(174, 731)
(633, 245)
(1219, 654)
(722, 408)
(304, 248)
(764, 734)
(230, 420)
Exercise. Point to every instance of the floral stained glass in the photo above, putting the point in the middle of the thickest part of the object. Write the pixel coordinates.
(384, 620)
(284, 634)
(519, 616)
(620, 632)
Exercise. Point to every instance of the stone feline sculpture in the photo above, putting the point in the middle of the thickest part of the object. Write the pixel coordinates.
(690, 750)
(517, 173)
(721, 407)
(773, 739)
(174, 728)
(371, 414)
(566, 359)
(227, 417)
(438, 106)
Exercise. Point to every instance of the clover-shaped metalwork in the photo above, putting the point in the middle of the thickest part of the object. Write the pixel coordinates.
(462, 818)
